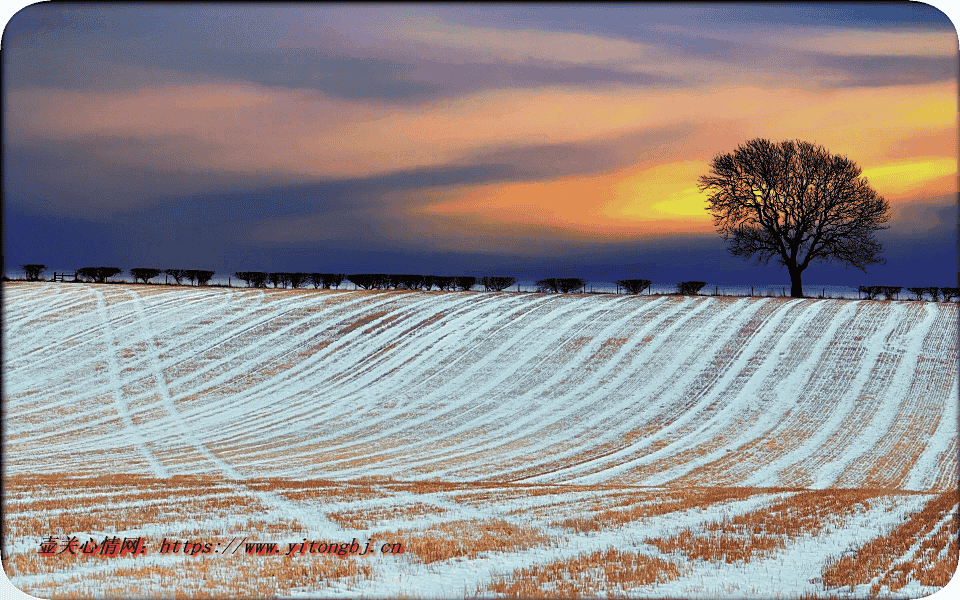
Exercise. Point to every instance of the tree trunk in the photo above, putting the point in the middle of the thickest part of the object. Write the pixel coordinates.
(796, 289)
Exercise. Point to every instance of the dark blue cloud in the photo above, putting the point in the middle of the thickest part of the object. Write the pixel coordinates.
(878, 71)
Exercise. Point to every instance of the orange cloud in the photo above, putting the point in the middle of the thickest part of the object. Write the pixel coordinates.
(660, 199)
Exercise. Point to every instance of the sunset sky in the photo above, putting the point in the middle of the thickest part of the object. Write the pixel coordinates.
(525, 140)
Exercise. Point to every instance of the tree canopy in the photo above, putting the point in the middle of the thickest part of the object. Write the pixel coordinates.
(795, 202)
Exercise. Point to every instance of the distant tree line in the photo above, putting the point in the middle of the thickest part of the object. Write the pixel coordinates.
(871, 292)
(383, 281)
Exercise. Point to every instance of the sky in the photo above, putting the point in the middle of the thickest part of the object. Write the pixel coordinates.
(521, 140)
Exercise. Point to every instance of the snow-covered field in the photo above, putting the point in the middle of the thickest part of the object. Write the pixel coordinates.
(515, 444)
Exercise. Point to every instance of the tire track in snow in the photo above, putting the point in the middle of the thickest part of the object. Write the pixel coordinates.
(118, 400)
(79, 419)
(158, 429)
(77, 389)
(366, 424)
(458, 408)
(305, 371)
(506, 435)
(941, 449)
(80, 342)
(183, 431)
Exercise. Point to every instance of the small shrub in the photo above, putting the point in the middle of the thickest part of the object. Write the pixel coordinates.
(690, 288)
(370, 281)
(97, 274)
(298, 279)
(949, 293)
(563, 285)
(497, 284)
(204, 277)
(465, 282)
(872, 291)
(144, 274)
(177, 274)
(634, 286)
(33, 272)
(258, 279)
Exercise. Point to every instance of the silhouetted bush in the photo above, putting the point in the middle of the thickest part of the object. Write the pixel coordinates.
(465, 282)
(370, 281)
(444, 282)
(409, 282)
(97, 274)
(298, 279)
(872, 291)
(949, 293)
(276, 279)
(258, 279)
(920, 291)
(144, 274)
(497, 284)
(634, 286)
(177, 274)
(203, 277)
(32, 272)
(562, 285)
(243, 276)
(690, 288)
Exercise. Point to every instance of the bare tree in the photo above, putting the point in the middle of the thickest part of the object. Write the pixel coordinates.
(258, 279)
(560, 285)
(204, 277)
(634, 286)
(298, 279)
(795, 202)
(97, 274)
(334, 279)
(33, 271)
(950, 293)
(143, 274)
(177, 274)
(465, 282)
(497, 284)
(690, 288)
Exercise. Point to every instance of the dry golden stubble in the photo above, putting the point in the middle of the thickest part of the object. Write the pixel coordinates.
(466, 539)
(654, 503)
(611, 571)
(766, 530)
(210, 576)
(873, 559)
(365, 519)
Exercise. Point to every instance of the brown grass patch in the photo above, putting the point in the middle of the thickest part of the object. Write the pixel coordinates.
(654, 503)
(934, 564)
(364, 519)
(467, 539)
(610, 571)
(238, 576)
(766, 530)
(361, 322)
